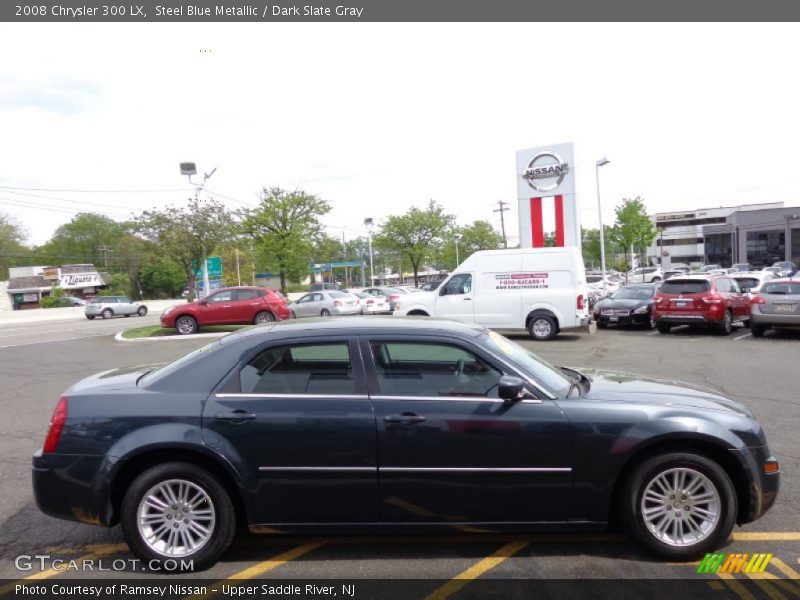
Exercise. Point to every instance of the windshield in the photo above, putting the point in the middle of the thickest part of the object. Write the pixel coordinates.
(685, 286)
(167, 369)
(629, 293)
(544, 373)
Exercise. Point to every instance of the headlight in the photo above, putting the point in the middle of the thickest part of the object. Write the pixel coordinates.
(168, 310)
(641, 310)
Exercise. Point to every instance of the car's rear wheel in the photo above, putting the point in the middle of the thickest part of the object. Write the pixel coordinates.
(292, 315)
(680, 505)
(180, 512)
(142, 311)
(264, 317)
(185, 325)
(90, 317)
(726, 326)
(542, 328)
(602, 324)
(107, 313)
(325, 313)
(650, 323)
(663, 327)
(757, 330)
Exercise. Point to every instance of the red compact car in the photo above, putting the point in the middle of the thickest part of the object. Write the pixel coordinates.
(228, 306)
(714, 301)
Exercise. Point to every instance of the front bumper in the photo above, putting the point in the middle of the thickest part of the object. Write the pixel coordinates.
(623, 319)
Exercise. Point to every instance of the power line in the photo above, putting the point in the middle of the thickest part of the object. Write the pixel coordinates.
(89, 191)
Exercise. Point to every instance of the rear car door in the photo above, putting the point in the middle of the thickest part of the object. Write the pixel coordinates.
(449, 449)
(295, 419)
(247, 304)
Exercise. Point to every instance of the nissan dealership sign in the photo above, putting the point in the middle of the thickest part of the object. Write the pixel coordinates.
(546, 193)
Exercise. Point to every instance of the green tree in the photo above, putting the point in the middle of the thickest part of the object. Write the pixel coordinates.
(119, 284)
(12, 248)
(189, 234)
(87, 238)
(415, 235)
(480, 235)
(633, 228)
(590, 247)
(163, 276)
(283, 227)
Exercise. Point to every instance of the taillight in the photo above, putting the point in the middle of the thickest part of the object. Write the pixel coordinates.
(370, 301)
(57, 422)
(580, 302)
(394, 297)
(337, 303)
(712, 299)
(758, 300)
(657, 299)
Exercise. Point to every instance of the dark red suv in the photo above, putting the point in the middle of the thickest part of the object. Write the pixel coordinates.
(715, 301)
(228, 306)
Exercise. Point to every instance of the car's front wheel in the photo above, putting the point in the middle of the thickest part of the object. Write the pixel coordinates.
(185, 325)
(178, 512)
(680, 505)
(90, 317)
(107, 313)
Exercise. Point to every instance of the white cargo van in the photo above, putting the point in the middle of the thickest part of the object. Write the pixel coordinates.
(542, 290)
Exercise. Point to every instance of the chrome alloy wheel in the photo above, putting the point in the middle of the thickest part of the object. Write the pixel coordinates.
(681, 507)
(176, 518)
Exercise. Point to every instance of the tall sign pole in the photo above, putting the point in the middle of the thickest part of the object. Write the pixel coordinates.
(503, 208)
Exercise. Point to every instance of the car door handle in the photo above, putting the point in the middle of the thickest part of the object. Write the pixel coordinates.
(235, 415)
(226, 306)
(406, 418)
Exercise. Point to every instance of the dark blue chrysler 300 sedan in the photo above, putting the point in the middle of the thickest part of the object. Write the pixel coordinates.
(333, 425)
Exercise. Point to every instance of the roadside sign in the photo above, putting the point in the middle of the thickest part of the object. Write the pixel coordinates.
(214, 266)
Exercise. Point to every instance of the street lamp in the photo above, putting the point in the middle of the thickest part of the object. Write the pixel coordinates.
(603, 161)
(457, 237)
(190, 169)
(368, 225)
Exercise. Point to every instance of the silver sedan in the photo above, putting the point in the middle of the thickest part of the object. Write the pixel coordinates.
(325, 303)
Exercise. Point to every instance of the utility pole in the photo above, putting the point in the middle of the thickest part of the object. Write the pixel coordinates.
(105, 250)
(238, 276)
(344, 257)
(503, 208)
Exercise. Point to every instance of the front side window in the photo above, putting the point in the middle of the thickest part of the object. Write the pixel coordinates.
(459, 284)
(432, 369)
(322, 368)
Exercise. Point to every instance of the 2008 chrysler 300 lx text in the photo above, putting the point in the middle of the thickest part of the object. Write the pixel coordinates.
(337, 425)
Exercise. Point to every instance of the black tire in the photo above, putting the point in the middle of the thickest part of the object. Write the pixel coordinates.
(757, 330)
(602, 324)
(650, 323)
(222, 531)
(292, 315)
(142, 311)
(264, 317)
(185, 325)
(542, 328)
(107, 313)
(746, 323)
(652, 468)
(90, 317)
(663, 327)
(325, 313)
(726, 326)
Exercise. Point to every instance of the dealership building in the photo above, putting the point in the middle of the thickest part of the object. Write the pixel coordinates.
(759, 234)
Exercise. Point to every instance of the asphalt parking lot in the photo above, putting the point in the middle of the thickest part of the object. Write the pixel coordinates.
(762, 373)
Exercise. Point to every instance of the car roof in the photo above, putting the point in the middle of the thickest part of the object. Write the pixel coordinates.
(358, 325)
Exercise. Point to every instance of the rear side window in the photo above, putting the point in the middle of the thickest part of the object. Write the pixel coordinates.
(300, 369)
(246, 294)
(685, 286)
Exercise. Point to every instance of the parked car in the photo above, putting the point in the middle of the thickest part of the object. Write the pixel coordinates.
(630, 305)
(715, 301)
(372, 305)
(321, 285)
(302, 425)
(776, 304)
(752, 281)
(645, 275)
(430, 285)
(594, 281)
(787, 268)
(113, 306)
(709, 268)
(743, 267)
(391, 294)
(71, 301)
(541, 290)
(774, 270)
(673, 272)
(325, 303)
(228, 306)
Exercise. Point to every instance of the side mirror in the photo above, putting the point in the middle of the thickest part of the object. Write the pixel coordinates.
(510, 388)
(203, 302)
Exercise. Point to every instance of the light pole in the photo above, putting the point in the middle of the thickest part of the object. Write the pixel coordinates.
(190, 169)
(457, 237)
(598, 164)
(368, 225)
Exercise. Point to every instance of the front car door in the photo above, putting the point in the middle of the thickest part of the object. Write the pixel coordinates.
(217, 309)
(449, 449)
(295, 419)
(454, 300)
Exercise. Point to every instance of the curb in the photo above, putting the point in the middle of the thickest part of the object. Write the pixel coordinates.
(168, 338)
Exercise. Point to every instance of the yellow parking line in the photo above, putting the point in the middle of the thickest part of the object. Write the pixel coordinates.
(766, 536)
(260, 568)
(785, 569)
(475, 571)
(98, 551)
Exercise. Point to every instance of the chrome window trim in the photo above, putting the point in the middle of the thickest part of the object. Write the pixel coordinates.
(459, 399)
(321, 469)
(346, 469)
(330, 396)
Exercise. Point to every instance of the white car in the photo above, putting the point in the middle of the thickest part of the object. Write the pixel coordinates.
(325, 303)
(645, 275)
(113, 306)
(373, 305)
(595, 284)
(751, 282)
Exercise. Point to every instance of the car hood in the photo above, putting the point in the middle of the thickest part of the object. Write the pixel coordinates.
(624, 387)
(623, 303)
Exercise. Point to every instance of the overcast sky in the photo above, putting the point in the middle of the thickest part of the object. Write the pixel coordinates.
(378, 117)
